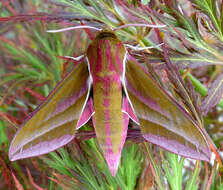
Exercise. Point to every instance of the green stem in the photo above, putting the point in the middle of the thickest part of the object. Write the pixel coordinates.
(201, 89)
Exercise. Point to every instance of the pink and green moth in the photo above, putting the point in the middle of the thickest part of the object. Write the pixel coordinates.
(122, 91)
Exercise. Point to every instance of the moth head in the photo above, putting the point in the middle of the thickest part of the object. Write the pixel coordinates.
(106, 33)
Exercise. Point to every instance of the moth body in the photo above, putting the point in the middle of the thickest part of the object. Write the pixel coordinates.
(109, 120)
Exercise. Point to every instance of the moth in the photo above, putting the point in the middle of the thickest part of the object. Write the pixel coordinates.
(122, 91)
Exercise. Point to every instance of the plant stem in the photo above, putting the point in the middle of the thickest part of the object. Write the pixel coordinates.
(201, 89)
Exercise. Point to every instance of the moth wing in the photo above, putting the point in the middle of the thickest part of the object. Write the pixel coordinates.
(53, 123)
(163, 122)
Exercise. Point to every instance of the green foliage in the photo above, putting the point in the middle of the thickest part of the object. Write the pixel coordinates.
(3, 136)
(173, 170)
(88, 168)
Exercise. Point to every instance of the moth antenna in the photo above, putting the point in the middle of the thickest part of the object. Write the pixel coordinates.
(144, 25)
(142, 48)
(75, 58)
(73, 28)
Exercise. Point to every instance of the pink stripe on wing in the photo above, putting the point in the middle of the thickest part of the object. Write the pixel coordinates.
(125, 129)
(69, 101)
(86, 114)
(128, 109)
(42, 147)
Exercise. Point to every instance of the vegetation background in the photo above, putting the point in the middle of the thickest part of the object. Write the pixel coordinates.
(32, 62)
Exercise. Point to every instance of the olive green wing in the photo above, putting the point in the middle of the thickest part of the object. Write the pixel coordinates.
(163, 121)
(53, 123)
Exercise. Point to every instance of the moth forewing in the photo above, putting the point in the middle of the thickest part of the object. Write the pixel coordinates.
(88, 108)
(162, 120)
(53, 123)
(128, 108)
